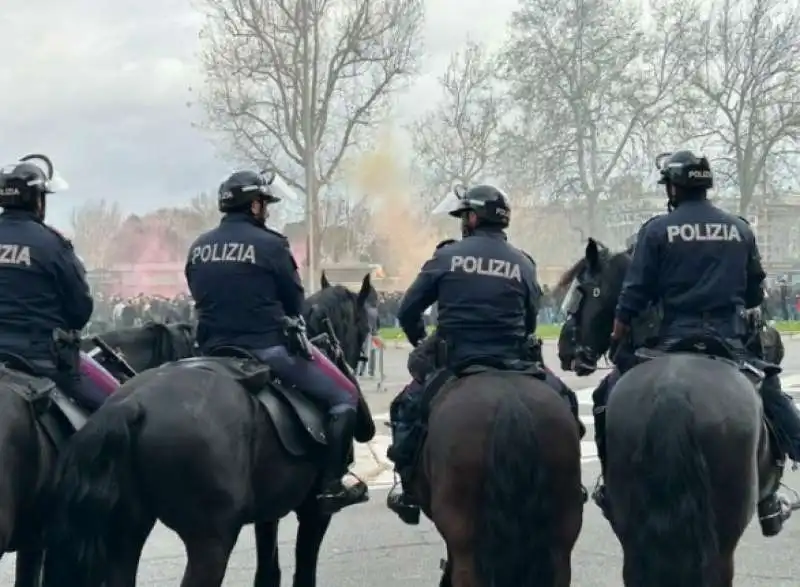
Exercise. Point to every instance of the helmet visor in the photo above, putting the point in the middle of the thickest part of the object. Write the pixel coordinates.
(450, 203)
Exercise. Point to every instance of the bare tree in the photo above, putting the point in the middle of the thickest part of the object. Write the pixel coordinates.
(458, 140)
(204, 208)
(94, 227)
(264, 60)
(587, 77)
(347, 222)
(745, 77)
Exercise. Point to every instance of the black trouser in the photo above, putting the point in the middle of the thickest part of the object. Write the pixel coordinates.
(780, 410)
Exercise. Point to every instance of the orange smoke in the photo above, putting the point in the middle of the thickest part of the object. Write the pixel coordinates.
(407, 239)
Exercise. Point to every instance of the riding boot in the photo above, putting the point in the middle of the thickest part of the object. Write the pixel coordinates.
(599, 494)
(780, 410)
(402, 453)
(400, 499)
(335, 495)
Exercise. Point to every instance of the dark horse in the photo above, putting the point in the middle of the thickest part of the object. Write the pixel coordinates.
(205, 451)
(499, 473)
(33, 426)
(689, 456)
(148, 346)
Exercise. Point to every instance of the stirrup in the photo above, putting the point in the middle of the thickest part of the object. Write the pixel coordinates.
(334, 498)
(772, 513)
(402, 503)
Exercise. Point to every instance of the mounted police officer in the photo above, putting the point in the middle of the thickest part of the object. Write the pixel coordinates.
(487, 297)
(245, 284)
(44, 297)
(702, 265)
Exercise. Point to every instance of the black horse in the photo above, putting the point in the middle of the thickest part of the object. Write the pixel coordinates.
(145, 347)
(688, 453)
(36, 420)
(205, 450)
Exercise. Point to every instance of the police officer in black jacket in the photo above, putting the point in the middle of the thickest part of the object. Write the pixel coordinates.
(44, 298)
(244, 282)
(702, 265)
(487, 297)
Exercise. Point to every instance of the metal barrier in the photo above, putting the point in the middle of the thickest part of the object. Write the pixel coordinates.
(375, 352)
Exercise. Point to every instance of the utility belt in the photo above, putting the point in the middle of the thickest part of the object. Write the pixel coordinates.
(527, 349)
(734, 324)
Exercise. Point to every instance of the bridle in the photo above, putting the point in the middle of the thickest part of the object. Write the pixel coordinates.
(585, 357)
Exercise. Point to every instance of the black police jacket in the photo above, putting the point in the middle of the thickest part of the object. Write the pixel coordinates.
(42, 286)
(700, 263)
(486, 293)
(244, 281)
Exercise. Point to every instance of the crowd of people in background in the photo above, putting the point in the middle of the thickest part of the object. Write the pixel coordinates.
(112, 312)
(783, 300)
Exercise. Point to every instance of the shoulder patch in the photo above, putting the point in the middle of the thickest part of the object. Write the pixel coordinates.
(64, 240)
(445, 242)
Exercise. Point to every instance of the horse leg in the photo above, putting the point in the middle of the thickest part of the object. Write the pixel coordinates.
(125, 553)
(726, 570)
(268, 566)
(29, 566)
(562, 559)
(447, 572)
(208, 554)
(311, 529)
(463, 572)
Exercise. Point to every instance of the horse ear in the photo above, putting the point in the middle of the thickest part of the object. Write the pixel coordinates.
(592, 254)
(323, 282)
(366, 289)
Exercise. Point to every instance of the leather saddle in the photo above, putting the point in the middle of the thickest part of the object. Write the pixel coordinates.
(713, 348)
(474, 366)
(59, 415)
(298, 420)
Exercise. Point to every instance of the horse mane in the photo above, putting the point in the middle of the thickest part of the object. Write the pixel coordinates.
(617, 262)
(570, 274)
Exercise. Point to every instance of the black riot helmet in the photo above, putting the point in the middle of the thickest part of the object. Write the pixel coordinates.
(489, 204)
(24, 185)
(244, 187)
(685, 175)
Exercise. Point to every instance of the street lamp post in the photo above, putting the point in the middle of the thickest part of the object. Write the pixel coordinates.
(310, 149)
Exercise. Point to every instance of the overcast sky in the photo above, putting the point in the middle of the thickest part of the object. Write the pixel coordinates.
(102, 88)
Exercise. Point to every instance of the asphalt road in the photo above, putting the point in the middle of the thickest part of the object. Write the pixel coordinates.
(368, 545)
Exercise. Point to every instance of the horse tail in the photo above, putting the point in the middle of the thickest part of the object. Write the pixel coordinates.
(92, 496)
(671, 536)
(516, 507)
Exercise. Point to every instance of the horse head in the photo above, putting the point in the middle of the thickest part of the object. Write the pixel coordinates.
(347, 312)
(593, 286)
